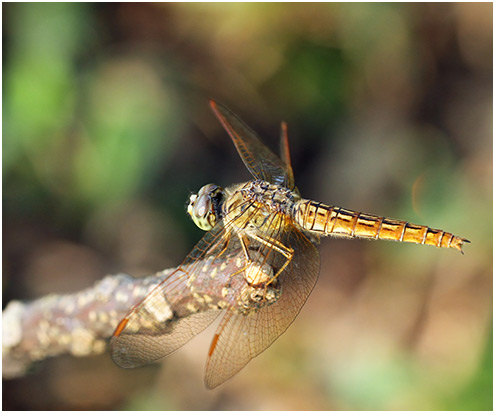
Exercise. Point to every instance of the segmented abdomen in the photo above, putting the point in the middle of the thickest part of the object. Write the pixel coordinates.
(327, 220)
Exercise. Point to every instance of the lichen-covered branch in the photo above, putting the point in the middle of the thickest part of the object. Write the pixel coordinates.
(79, 324)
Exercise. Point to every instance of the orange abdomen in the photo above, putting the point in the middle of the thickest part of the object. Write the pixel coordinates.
(327, 220)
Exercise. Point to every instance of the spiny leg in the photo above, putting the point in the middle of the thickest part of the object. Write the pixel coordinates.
(276, 245)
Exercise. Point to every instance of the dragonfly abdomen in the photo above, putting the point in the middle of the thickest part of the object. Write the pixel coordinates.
(332, 220)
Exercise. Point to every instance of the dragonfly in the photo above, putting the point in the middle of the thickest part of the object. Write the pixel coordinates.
(257, 263)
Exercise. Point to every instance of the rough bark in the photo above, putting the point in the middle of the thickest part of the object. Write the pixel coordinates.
(79, 324)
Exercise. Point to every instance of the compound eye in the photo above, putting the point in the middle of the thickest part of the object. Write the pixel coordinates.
(203, 207)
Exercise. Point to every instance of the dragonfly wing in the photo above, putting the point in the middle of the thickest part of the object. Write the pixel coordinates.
(130, 349)
(259, 160)
(285, 154)
(179, 307)
(240, 337)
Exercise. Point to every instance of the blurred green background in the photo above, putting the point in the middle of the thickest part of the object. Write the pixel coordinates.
(106, 131)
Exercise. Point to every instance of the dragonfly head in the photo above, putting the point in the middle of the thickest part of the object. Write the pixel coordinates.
(205, 206)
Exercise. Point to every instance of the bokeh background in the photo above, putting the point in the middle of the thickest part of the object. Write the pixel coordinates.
(106, 132)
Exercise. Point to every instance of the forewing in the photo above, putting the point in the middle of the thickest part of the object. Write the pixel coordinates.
(240, 337)
(133, 349)
(259, 160)
(285, 155)
(177, 309)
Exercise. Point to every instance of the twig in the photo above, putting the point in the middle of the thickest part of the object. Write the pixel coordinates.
(79, 324)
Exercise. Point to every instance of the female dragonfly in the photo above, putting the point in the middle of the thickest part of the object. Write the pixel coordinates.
(257, 263)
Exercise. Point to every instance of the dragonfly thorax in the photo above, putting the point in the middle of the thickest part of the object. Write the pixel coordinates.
(205, 207)
(272, 197)
(258, 204)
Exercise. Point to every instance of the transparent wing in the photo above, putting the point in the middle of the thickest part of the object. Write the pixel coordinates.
(240, 337)
(145, 346)
(285, 155)
(259, 160)
(182, 305)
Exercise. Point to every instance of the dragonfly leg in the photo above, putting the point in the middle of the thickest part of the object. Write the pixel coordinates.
(249, 261)
(256, 271)
(276, 245)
